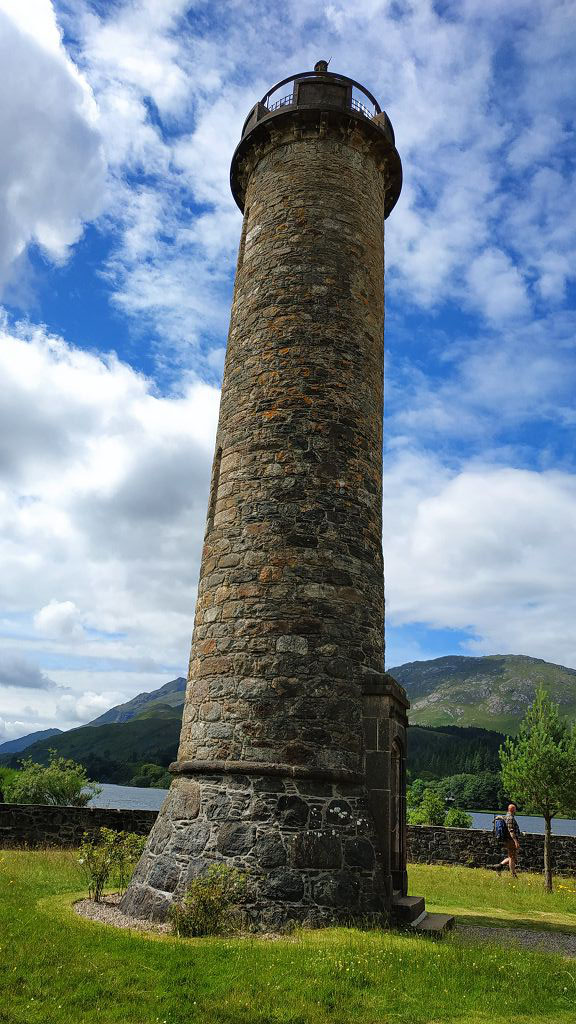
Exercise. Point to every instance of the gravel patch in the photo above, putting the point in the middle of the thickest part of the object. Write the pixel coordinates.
(107, 912)
(546, 942)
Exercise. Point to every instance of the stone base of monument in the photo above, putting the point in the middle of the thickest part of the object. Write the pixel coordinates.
(309, 847)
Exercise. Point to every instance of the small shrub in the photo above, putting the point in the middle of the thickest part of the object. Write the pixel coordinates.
(61, 781)
(456, 818)
(96, 861)
(110, 858)
(210, 907)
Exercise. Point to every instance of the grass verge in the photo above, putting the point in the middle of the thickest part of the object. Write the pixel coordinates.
(475, 896)
(59, 968)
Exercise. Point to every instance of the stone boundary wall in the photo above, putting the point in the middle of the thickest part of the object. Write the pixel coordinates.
(477, 848)
(45, 825)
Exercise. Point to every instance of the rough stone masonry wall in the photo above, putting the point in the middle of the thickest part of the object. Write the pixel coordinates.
(308, 848)
(43, 825)
(289, 616)
(477, 848)
(290, 610)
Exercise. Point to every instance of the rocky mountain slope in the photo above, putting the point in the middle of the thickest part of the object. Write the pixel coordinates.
(171, 695)
(493, 692)
(14, 746)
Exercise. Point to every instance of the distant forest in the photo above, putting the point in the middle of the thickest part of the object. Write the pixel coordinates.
(437, 752)
(126, 752)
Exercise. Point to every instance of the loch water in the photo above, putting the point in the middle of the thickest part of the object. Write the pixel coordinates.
(127, 797)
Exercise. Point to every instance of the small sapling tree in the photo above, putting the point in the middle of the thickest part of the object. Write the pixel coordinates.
(539, 767)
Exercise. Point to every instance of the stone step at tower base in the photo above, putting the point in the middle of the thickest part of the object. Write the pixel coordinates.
(410, 912)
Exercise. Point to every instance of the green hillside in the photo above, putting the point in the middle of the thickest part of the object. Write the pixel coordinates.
(114, 753)
(171, 695)
(492, 692)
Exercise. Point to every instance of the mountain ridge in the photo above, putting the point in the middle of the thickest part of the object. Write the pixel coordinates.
(23, 742)
(168, 694)
(490, 691)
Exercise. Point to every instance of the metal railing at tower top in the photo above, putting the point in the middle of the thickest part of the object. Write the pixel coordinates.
(360, 107)
(327, 77)
(286, 101)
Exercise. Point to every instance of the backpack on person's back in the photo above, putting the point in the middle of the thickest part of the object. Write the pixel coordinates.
(501, 828)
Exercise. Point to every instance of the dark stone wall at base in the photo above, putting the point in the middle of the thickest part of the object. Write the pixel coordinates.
(476, 848)
(44, 825)
(308, 847)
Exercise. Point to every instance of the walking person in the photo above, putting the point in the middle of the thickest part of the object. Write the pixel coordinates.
(508, 832)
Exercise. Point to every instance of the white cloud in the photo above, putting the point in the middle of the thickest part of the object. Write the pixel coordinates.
(497, 286)
(51, 163)
(103, 496)
(20, 673)
(487, 386)
(485, 549)
(60, 620)
(12, 729)
(77, 709)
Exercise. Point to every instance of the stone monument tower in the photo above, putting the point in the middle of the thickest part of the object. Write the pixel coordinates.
(292, 752)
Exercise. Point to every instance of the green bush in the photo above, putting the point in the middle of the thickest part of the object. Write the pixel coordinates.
(210, 907)
(109, 859)
(456, 818)
(153, 775)
(430, 811)
(7, 776)
(61, 781)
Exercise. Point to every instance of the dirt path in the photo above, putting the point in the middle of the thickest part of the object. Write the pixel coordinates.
(546, 942)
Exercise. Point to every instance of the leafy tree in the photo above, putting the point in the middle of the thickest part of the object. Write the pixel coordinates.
(455, 818)
(539, 767)
(465, 790)
(6, 776)
(61, 781)
(431, 810)
(154, 775)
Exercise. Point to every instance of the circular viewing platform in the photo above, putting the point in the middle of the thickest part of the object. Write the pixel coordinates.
(330, 94)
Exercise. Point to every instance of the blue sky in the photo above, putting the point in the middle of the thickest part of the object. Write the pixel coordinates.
(118, 238)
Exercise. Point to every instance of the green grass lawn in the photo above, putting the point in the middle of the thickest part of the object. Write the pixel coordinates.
(488, 898)
(56, 968)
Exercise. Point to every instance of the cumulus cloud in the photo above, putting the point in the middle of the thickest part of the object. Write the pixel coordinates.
(77, 709)
(483, 549)
(49, 130)
(20, 673)
(59, 619)
(103, 497)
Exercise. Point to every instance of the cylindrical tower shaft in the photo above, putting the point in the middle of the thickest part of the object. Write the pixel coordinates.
(290, 610)
(289, 626)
